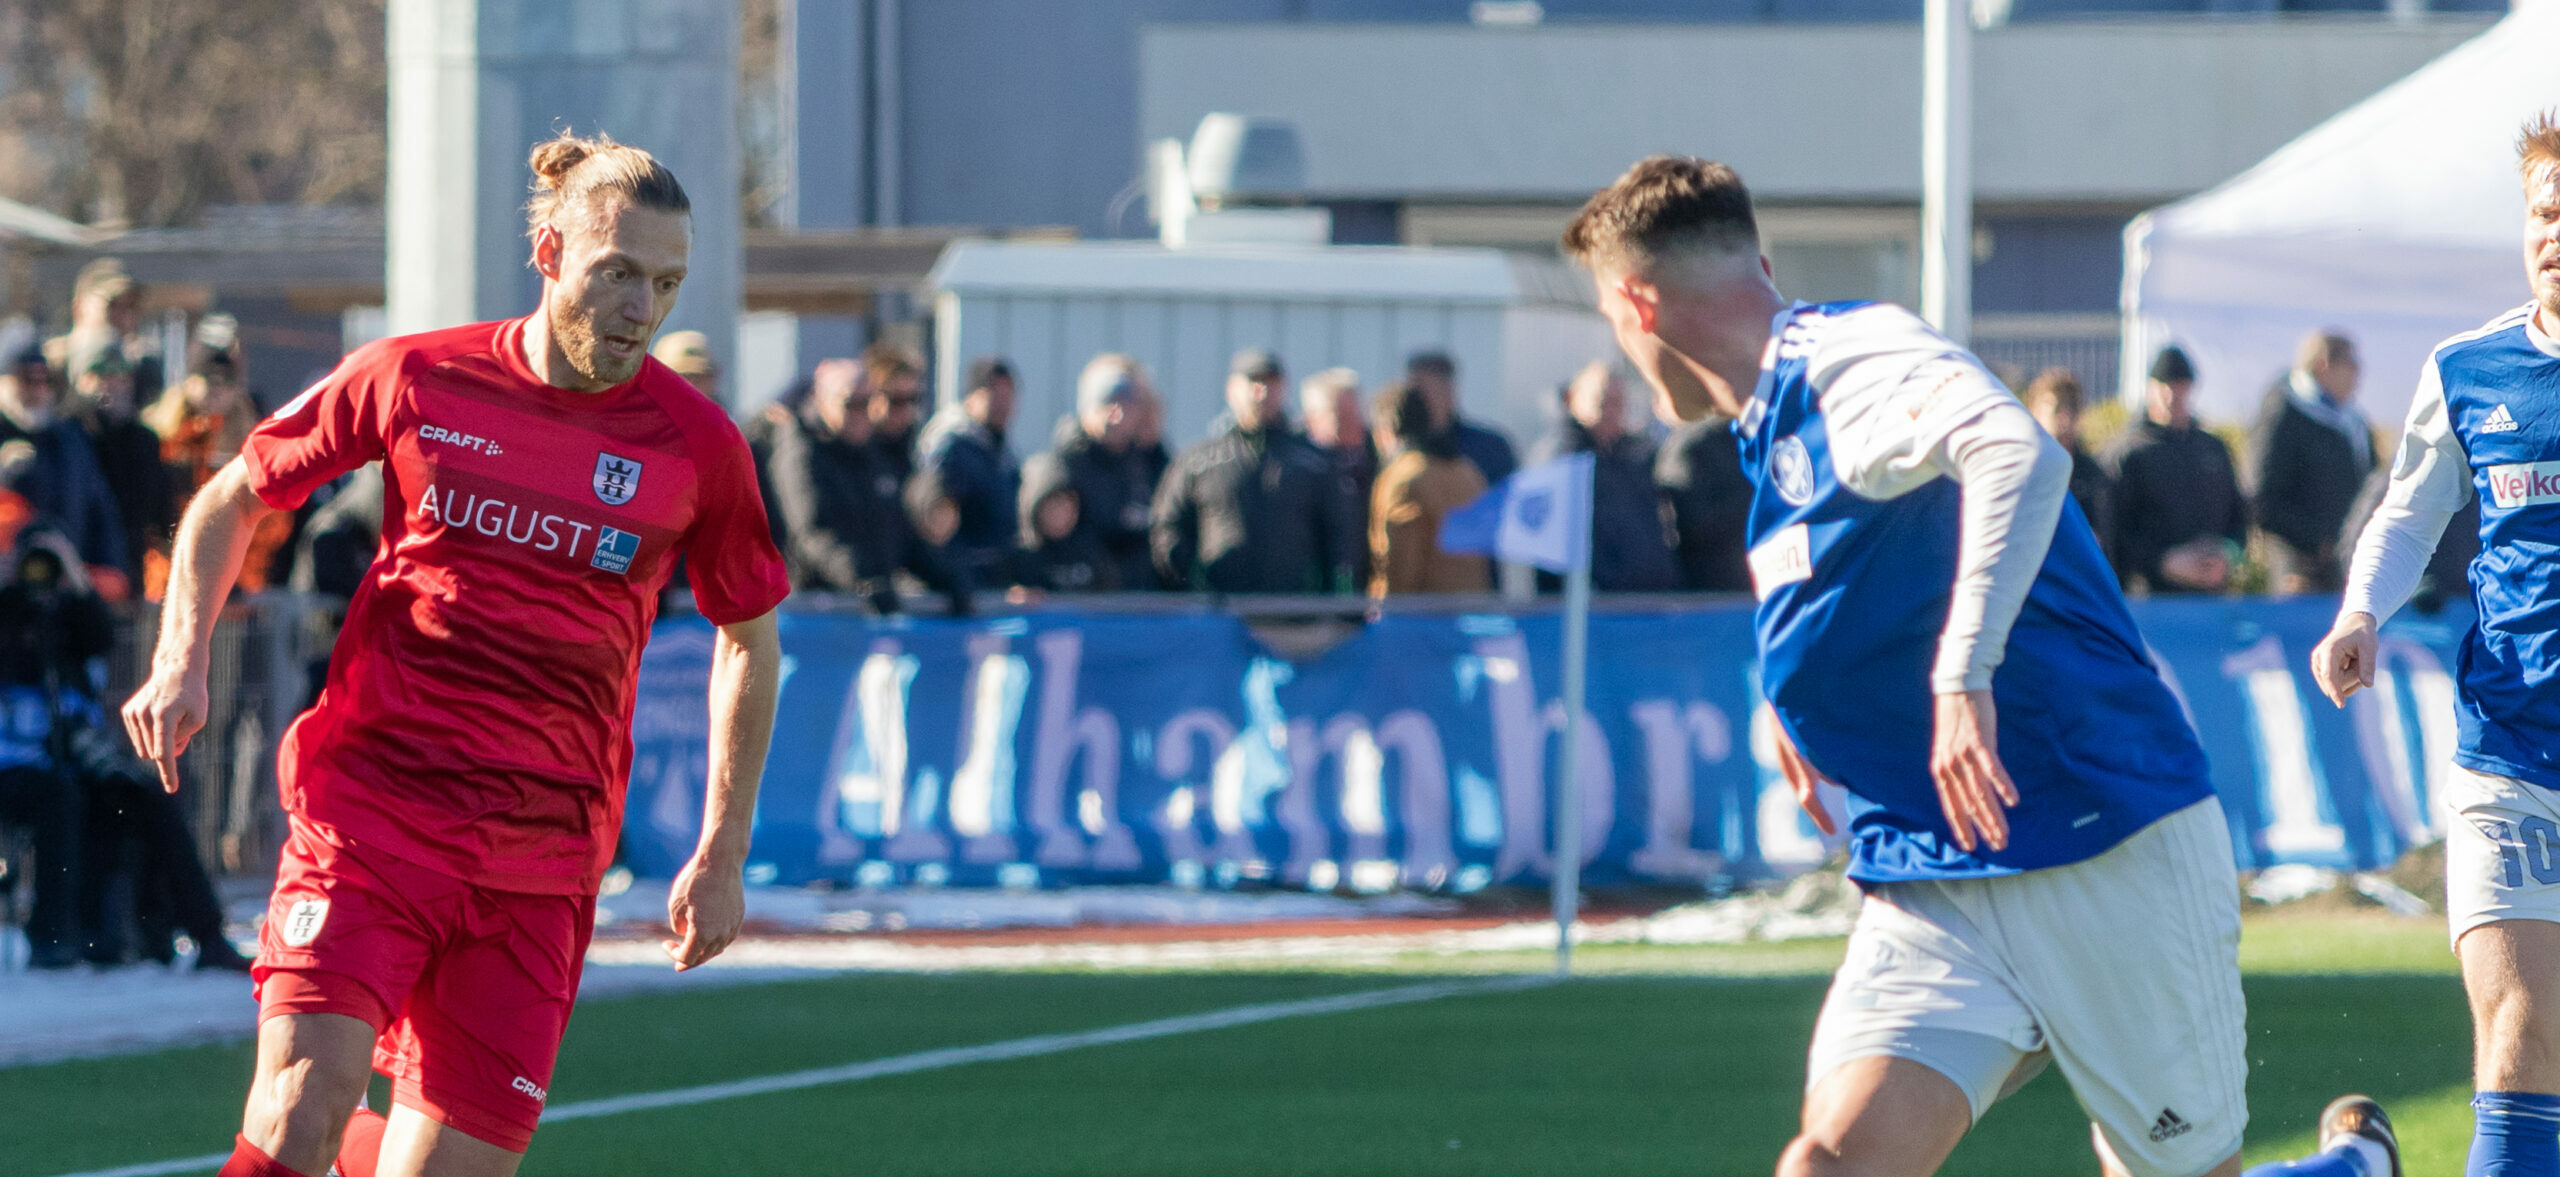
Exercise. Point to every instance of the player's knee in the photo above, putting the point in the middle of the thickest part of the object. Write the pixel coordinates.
(305, 1105)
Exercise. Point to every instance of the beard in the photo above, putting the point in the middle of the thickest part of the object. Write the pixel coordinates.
(575, 334)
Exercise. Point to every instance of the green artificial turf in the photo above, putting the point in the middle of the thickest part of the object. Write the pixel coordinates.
(1676, 1060)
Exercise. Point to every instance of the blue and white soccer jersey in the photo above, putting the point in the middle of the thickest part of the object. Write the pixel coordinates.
(2105, 936)
(2485, 423)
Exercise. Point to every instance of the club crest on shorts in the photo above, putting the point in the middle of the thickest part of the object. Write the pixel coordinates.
(302, 922)
(617, 478)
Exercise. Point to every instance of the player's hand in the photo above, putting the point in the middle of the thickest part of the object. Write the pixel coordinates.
(1802, 778)
(1974, 789)
(2343, 661)
(163, 716)
(705, 909)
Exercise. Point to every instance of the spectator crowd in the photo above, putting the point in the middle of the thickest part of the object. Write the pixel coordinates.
(1321, 486)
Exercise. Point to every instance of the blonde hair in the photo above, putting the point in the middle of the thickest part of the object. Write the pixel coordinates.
(2539, 143)
(570, 171)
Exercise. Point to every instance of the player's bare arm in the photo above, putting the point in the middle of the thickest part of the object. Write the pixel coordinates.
(205, 560)
(708, 901)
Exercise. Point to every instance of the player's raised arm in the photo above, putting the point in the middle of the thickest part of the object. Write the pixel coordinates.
(708, 901)
(2430, 483)
(204, 561)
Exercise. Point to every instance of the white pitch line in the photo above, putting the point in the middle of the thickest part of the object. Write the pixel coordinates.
(934, 1060)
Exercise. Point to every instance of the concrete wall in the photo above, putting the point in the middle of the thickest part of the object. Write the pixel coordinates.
(2065, 112)
(476, 83)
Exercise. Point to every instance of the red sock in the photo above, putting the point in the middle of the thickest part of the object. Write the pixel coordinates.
(360, 1151)
(247, 1160)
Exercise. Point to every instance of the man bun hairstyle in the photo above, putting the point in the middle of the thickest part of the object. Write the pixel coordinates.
(1665, 204)
(570, 171)
(2538, 145)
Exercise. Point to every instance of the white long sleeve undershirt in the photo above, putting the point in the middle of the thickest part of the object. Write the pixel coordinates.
(2015, 479)
(1904, 407)
(2430, 484)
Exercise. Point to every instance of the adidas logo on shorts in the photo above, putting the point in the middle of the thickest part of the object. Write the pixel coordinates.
(2168, 1127)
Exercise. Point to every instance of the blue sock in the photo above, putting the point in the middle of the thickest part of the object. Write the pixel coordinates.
(2514, 1134)
(2342, 1161)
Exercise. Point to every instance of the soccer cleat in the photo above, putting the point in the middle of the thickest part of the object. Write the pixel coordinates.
(2359, 1115)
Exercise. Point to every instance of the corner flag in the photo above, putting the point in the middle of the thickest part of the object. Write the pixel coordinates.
(1540, 516)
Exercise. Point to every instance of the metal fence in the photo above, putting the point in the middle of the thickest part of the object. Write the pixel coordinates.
(262, 674)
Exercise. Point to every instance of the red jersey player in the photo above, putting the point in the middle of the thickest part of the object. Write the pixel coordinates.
(457, 790)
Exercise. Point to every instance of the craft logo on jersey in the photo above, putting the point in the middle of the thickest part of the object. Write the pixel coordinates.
(617, 478)
(615, 549)
(2500, 421)
(302, 922)
(1791, 470)
(2524, 484)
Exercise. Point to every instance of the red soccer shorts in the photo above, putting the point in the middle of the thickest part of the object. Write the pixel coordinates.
(469, 989)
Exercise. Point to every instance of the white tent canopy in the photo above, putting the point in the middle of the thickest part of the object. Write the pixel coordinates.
(2399, 220)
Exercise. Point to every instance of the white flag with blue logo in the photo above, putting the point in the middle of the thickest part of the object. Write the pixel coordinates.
(1540, 516)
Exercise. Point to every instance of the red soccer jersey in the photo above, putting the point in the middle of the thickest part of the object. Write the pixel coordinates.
(477, 717)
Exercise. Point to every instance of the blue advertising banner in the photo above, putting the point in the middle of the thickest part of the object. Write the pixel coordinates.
(1055, 749)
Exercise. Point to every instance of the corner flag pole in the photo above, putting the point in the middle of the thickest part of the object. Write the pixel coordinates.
(1565, 881)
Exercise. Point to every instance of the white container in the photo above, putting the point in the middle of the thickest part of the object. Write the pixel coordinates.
(1518, 327)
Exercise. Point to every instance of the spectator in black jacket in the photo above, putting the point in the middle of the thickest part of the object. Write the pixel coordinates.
(1437, 376)
(2311, 450)
(2056, 399)
(2180, 518)
(964, 451)
(843, 503)
(893, 384)
(1115, 481)
(1255, 509)
(46, 458)
(1055, 552)
(1330, 414)
(1699, 473)
(1630, 551)
(128, 452)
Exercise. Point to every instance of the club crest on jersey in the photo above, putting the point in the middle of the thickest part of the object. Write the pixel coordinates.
(617, 478)
(1791, 471)
(302, 922)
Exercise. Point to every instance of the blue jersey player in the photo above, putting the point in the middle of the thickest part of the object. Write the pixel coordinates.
(2486, 424)
(2049, 877)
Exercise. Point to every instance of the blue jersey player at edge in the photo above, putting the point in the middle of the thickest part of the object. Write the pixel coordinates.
(2485, 423)
(2056, 889)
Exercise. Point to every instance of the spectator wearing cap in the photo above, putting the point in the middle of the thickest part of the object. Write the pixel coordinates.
(106, 315)
(1097, 450)
(2180, 517)
(2311, 450)
(1329, 415)
(2056, 399)
(1630, 548)
(128, 452)
(1256, 508)
(1425, 479)
(688, 354)
(48, 461)
(1698, 472)
(964, 452)
(1437, 376)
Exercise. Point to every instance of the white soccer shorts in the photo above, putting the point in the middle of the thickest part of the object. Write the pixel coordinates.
(2501, 851)
(2123, 970)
